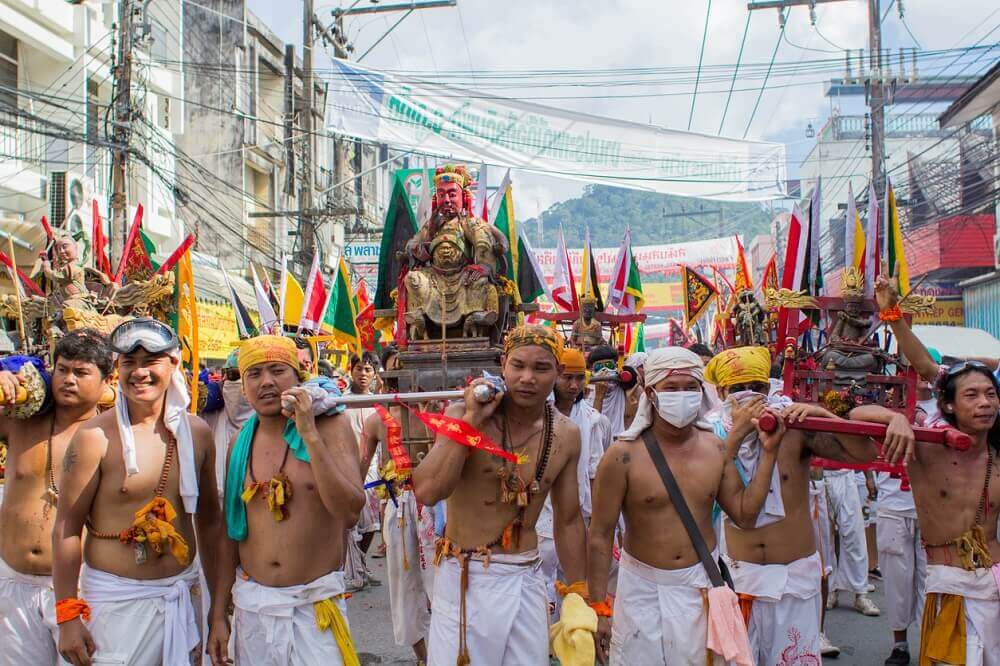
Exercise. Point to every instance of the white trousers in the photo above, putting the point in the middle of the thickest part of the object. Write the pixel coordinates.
(409, 541)
(144, 622)
(851, 570)
(903, 562)
(28, 631)
(660, 616)
(785, 615)
(982, 609)
(276, 626)
(507, 621)
(819, 510)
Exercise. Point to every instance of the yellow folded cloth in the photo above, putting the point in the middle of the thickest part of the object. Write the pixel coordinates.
(328, 616)
(942, 630)
(571, 639)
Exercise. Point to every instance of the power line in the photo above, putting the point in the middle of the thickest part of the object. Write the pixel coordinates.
(763, 86)
(739, 57)
(701, 56)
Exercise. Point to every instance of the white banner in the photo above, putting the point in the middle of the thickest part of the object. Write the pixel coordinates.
(408, 112)
(718, 252)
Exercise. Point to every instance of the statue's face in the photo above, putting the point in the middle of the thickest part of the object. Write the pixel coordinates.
(66, 251)
(587, 309)
(447, 255)
(852, 306)
(449, 198)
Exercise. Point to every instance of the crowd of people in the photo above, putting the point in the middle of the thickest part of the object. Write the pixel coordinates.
(544, 516)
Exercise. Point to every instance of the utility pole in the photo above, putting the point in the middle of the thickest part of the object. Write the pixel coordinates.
(122, 129)
(876, 100)
(876, 97)
(307, 233)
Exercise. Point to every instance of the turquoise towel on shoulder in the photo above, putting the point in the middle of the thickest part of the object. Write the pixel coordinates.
(239, 459)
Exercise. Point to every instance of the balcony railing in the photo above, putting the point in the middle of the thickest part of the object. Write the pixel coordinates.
(903, 125)
(20, 141)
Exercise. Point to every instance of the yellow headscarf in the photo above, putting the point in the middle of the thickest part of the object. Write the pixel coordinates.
(739, 365)
(573, 360)
(534, 335)
(269, 349)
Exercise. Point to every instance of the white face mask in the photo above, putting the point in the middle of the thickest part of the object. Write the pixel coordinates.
(678, 408)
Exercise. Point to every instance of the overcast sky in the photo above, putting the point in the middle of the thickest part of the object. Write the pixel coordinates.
(550, 34)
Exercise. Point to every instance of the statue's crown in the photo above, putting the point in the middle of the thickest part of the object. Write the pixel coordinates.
(588, 300)
(453, 173)
(852, 282)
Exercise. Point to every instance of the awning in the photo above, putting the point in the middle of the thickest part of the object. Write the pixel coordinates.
(958, 341)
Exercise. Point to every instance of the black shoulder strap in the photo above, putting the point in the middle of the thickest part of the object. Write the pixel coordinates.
(677, 497)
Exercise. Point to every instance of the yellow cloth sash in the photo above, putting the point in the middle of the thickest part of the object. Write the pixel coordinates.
(942, 631)
(153, 526)
(328, 616)
(571, 639)
(277, 492)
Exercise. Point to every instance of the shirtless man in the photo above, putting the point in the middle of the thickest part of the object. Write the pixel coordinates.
(498, 614)
(407, 527)
(82, 365)
(957, 497)
(774, 560)
(291, 493)
(133, 476)
(659, 612)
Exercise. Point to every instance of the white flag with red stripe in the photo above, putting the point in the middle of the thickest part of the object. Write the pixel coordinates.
(314, 303)
(563, 282)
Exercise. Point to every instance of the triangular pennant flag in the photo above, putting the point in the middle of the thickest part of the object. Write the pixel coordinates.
(743, 279)
(625, 289)
(269, 322)
(291, 297)
(341, 313)
(100, 242)
(563, 282)
(854, 235)
(698, 293)
(314, 301)
(365, 321)
(796, 250)
(590, 288)
(873, 242)
(894, 254)
(244, 324)
(530, 279)
(479, 204)
(400, 227)
(186, 323)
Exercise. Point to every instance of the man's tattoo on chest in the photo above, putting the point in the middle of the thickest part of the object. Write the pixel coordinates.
(626, 458)
(69, 459)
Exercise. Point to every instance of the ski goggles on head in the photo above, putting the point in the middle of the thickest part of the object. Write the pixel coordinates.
(152, 335)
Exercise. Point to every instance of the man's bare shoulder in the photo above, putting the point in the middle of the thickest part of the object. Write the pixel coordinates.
(621, 453)
(334, 426)
(200, 430)
(565, 429)
(94, 436)
(710, 442)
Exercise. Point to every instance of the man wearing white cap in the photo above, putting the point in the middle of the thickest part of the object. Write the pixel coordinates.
(124, 473)
(660, 611)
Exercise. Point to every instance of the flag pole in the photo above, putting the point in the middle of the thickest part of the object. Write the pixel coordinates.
(17, 294)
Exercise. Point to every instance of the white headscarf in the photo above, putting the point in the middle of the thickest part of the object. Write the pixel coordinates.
(176, 421)
(659, 364)
(637, 360)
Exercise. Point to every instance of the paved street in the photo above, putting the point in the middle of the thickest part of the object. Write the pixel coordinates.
(865, 641)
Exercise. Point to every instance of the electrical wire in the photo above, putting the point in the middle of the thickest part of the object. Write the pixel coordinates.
(701, 57)
(739, 57)
(763, 86)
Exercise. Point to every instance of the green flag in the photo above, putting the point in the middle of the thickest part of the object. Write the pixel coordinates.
(341, 313)
(400, 227)
(520, 269)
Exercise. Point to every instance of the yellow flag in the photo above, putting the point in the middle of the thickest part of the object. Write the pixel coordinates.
(187, 323)
(292, 299)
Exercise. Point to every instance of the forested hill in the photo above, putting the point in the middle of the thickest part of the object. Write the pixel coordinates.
(654, 218)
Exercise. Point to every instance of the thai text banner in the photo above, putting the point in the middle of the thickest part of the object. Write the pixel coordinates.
(429, 117)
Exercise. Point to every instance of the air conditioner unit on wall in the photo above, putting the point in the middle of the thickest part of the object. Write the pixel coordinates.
(69, 205)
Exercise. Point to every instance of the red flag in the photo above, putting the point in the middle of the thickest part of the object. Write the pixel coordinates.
(176, 255)
(314, 303)
(365, 321)
(133, 236)
(394, 441)
(769, 280)
(795, 260)
(25, 280)
(743, 278)
(101, 261)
